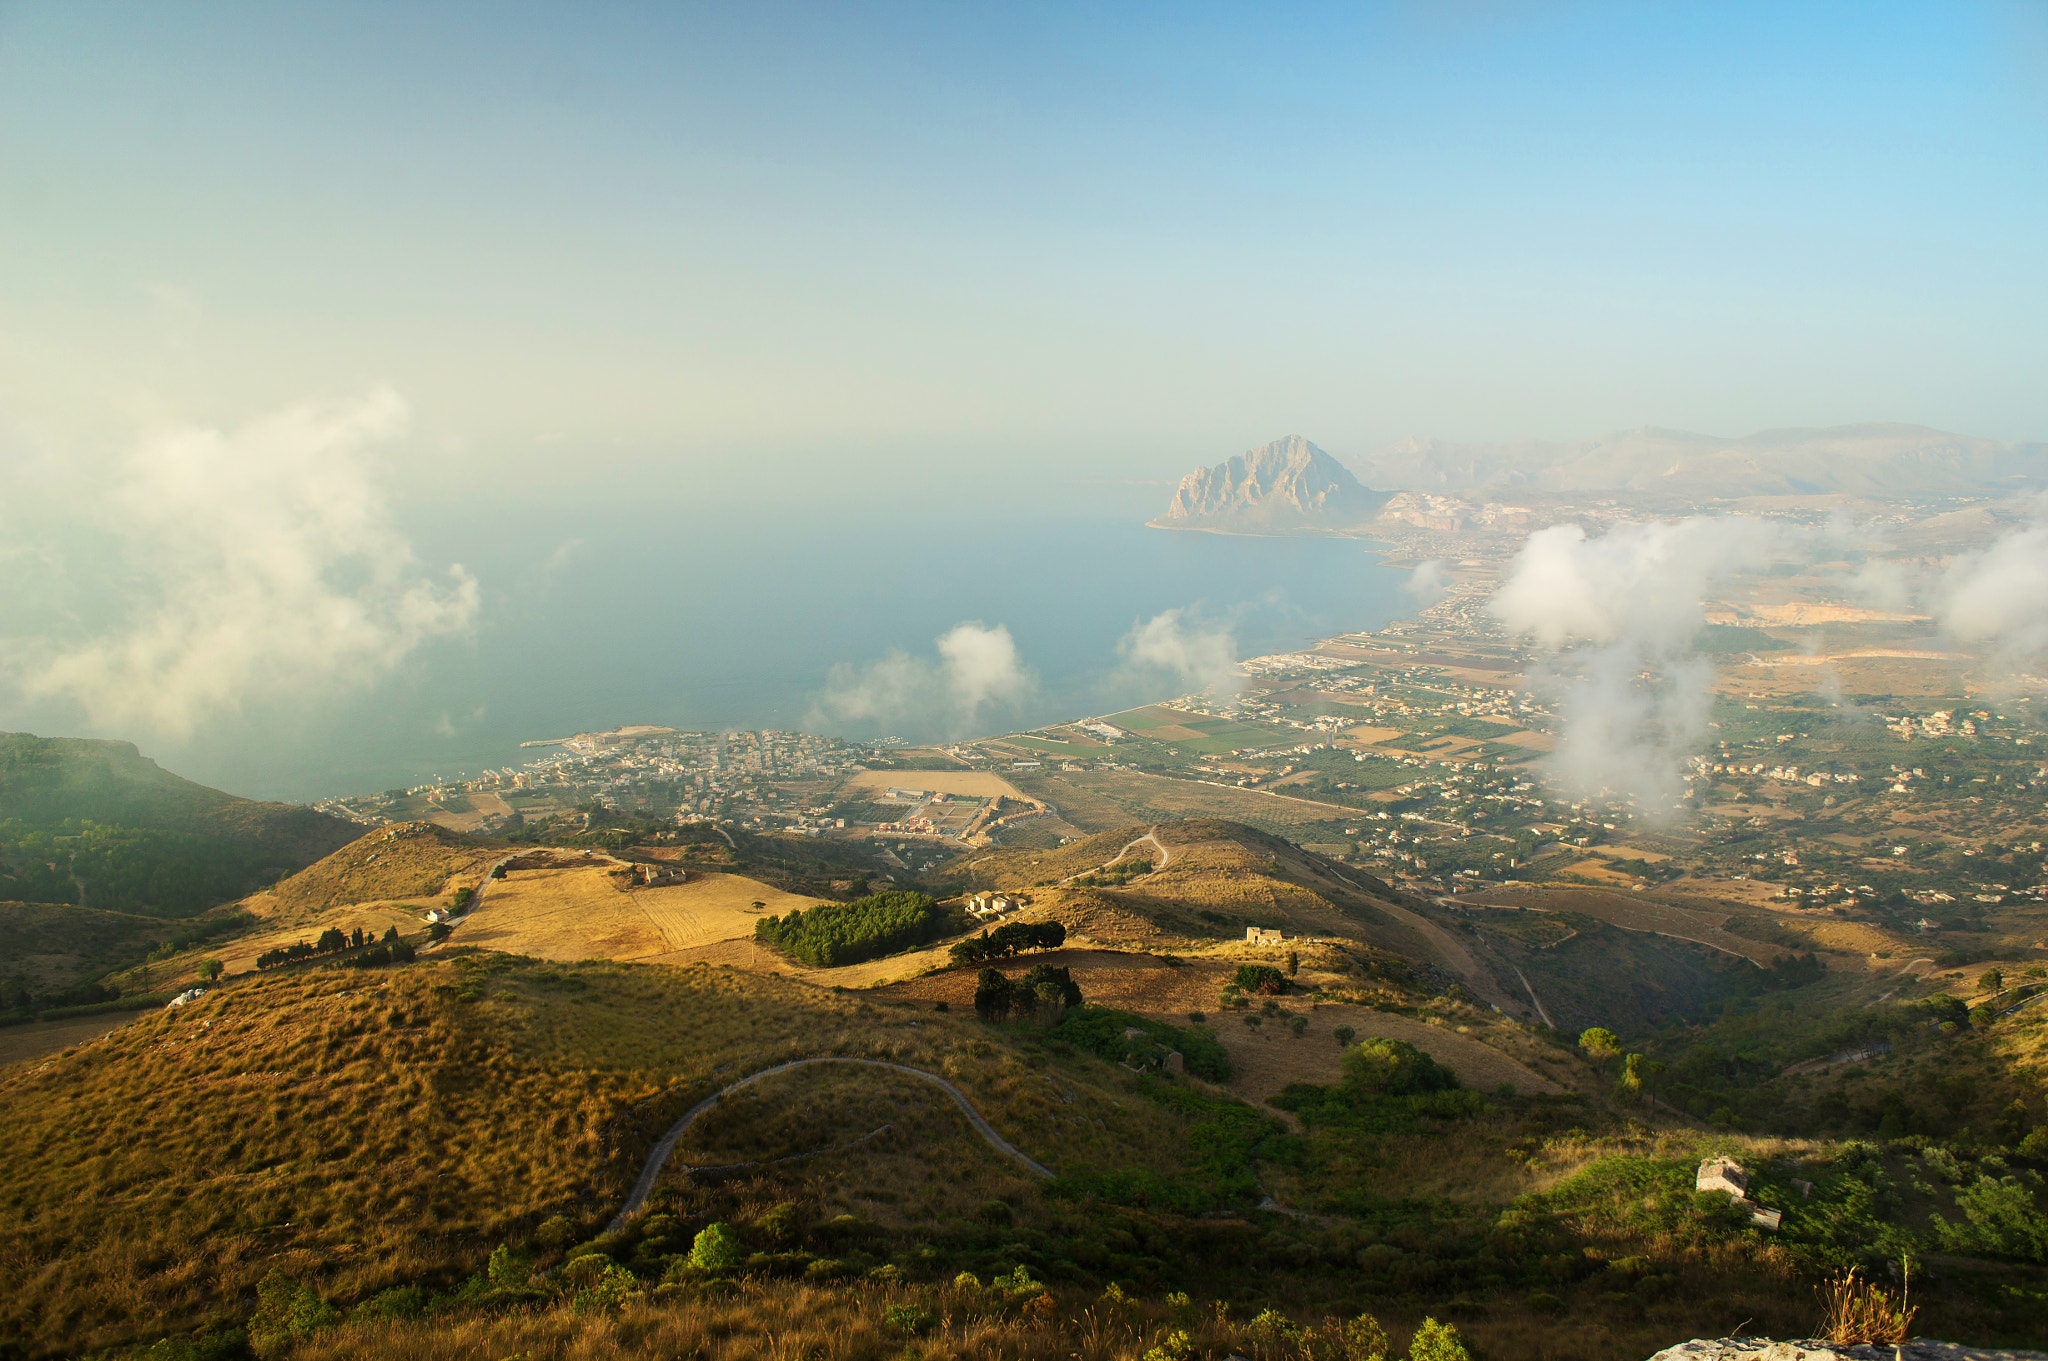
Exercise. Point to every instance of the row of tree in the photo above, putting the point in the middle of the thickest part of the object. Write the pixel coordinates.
(1009, 939)
(332, 941)
(831, 934)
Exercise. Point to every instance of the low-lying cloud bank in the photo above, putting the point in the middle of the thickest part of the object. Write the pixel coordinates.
(1633, 694)
(261, 562)
(1179, 649)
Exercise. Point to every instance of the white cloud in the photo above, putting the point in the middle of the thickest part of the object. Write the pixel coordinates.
(1638, 582)
(265, 564)
(1634, 702)
(1198, 657)
(1999, 597)
(1429, 583)
(978, 667)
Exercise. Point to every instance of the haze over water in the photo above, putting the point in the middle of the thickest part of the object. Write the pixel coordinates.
(603, 612)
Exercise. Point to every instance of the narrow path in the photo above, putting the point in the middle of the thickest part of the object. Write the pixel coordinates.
(1151, 835)
(1533, 997)
(659, 1157)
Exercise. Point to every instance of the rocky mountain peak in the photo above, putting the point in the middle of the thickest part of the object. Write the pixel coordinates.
(1280, 487)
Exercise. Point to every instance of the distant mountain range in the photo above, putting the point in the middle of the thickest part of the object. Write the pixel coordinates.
(1289, 484)
(1860, 460)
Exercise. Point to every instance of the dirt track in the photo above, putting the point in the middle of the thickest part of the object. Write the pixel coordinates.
(657, 1159)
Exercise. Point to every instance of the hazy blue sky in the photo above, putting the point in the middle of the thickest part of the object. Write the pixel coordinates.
(337, 341)
(1133, 235)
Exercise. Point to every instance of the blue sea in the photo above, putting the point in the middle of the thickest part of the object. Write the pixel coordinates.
(601, 611)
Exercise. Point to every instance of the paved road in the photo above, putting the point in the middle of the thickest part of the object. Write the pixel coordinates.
(657, 1159)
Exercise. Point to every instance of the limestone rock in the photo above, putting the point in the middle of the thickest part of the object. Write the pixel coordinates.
(1285, 486)
(1767, 1349)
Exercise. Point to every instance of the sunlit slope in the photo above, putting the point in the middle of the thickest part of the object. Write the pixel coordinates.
(366, 1129)
(1203, 880)
(404, 860)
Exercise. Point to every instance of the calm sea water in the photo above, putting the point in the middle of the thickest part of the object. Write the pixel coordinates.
(630, 612)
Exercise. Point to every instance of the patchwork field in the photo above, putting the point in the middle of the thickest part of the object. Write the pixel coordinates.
(1097, 801)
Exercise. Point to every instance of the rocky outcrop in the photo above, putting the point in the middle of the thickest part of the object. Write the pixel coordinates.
(1283, 487)
(1765, 1349)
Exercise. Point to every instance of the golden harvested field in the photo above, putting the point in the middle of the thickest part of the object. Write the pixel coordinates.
(978, 784)
(587, 912)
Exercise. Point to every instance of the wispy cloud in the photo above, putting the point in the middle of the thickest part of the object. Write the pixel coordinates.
(264, 563)
(1177, 645)
(977, 668)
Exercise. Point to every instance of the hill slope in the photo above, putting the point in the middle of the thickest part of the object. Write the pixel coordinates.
(98, 823)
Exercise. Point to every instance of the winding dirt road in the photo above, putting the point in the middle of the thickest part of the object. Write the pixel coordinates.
(659, 1157)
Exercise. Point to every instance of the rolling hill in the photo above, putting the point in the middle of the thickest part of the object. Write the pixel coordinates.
(97, 823)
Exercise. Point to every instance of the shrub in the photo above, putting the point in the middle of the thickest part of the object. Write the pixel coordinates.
(909, 1320)
(399, 1302)
(555, 1233)
(609, 1292)
(1345, 1034)
(717, 1248)
(508, 1269)
(286, 1310)
(1263, 978)
(1386, 1067)
(1435, 1341)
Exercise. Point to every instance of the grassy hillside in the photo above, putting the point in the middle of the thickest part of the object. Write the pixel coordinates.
(367, 1140)
(98, 824)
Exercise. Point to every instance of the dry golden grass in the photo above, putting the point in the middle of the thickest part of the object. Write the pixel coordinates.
(405, 860)
(367, 1129)
(713, 907)
(1641, 912)
(594, 911)
(758, 1320)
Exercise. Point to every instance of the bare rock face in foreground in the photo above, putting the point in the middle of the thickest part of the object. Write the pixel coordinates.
(1278, 488)
(1765, 1349)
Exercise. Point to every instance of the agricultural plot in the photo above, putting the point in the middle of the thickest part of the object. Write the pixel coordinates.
(1103, 800)
(1199, 734)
